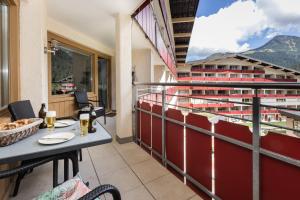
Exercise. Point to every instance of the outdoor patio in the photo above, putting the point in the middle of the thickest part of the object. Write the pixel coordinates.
(133, 171)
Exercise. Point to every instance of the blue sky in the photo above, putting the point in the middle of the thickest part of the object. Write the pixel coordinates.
(240, 25)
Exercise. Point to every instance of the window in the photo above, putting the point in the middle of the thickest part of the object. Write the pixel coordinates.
(280, 100)
(71, 70)
(4, 55)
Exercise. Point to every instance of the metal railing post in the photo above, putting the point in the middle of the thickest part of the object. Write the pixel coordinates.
(136, 98)
(256, 145)
(163, 124)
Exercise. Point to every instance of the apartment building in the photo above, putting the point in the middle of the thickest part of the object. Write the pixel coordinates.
(239, 69)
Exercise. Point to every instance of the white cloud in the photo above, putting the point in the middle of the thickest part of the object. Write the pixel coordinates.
(229, 28)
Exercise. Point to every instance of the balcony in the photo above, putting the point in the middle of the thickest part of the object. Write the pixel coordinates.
(134, 172)
(218, 155)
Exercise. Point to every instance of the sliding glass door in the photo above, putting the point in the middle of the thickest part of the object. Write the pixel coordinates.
(104, 80)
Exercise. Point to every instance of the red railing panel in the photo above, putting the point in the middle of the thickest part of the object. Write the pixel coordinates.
(146, 124)
(280, 180)
(156, 129)
(174, 138)
(199, 151)
(233, 164)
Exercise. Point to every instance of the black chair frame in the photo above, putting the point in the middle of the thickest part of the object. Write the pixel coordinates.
(83, 101)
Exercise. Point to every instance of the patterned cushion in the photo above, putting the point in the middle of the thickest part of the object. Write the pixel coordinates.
(70, 190)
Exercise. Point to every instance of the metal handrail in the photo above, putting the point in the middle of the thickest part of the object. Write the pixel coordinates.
(257, 85)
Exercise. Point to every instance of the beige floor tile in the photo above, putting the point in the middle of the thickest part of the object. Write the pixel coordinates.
(149, 170)
(169, 187)
(140, 193)
(135, 155)
(196, 197)
(125, 147)
(124, 179)
(103, 151)
(108, 164)
(35, 183)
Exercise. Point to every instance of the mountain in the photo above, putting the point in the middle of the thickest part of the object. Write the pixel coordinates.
(282, 50)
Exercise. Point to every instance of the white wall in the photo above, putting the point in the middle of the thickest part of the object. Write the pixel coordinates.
(142, 61)
(77, 36)
(33, 61)
(159, 73)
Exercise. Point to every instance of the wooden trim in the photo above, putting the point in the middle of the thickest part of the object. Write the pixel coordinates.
(183, 20)
(181, 46)
(14, 53)
(177, 35)
(181, 53)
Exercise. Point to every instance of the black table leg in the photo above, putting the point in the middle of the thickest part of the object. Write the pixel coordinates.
(18, 181)
(75, 164)
(55, 173)
(66, 169)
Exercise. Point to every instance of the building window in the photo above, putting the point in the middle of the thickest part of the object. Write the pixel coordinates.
(71, 69)
(4, 55)
(280, 100)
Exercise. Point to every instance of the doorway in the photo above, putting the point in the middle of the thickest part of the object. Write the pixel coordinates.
(104, 82)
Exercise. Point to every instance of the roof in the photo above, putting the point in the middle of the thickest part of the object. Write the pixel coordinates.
(183, 13)
(248, 59)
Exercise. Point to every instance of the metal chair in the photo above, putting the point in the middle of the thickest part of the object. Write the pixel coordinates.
(84, 104)
(94, 194)
(22, 110)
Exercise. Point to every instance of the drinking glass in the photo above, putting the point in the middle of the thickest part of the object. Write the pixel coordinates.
(84, 124)
(50, 119)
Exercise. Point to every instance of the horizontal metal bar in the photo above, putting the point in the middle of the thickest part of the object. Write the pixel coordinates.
(150, 148)
(280, 157)
(277, 85)
(214, 113)
(228, 139)
(232, 117)
(279, 107)
(217, 100)
(281, 127)
(235, 102)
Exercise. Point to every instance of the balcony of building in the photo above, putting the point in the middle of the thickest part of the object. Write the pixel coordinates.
(198, 144)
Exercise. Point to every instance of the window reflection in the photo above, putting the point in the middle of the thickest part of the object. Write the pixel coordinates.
(71, 70)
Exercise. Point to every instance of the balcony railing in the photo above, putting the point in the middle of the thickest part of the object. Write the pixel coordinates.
(147, 21)
(235, 79)
(219, 157)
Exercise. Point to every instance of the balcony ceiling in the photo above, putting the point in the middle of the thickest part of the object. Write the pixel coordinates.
(95, 18)
(183, 14)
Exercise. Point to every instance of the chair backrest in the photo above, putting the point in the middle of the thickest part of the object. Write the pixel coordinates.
(21, 110)
(81, 99)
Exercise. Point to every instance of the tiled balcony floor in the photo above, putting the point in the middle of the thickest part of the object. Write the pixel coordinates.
(134, 172)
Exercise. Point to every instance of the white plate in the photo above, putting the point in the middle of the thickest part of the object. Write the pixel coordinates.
(56, 138)
(64, 123)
